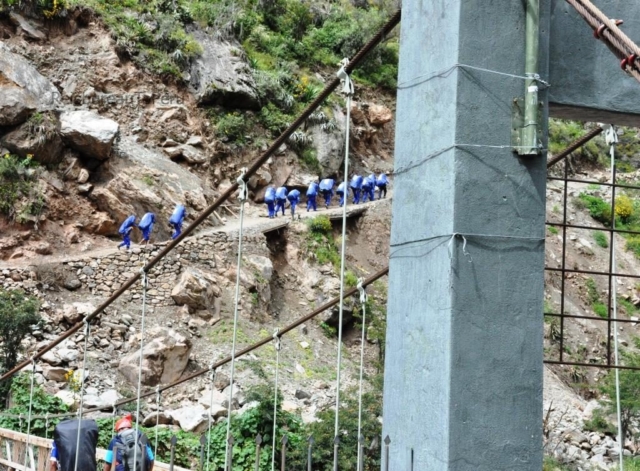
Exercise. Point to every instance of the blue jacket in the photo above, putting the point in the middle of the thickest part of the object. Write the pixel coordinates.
(281, 193)
(128, 223)
(313, 189)
(294, 195)
(178, 215)
(270, 194)
(369, 183)
(356, 182)
(341, 187)
(146, 221)
(382, 179)
(327, 184)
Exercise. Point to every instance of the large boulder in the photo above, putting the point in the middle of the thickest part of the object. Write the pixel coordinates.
(129, 191)
(196, 289)
(262, 266)
(190, 418)
(42, 141)
(164, 358)
(221, 75)
(89, 133)
(329, 144)
(379, 115)
(23, 89)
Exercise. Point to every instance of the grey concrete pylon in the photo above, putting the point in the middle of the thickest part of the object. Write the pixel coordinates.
(463, 374)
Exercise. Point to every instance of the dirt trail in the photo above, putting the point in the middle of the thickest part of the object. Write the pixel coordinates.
(255, 220)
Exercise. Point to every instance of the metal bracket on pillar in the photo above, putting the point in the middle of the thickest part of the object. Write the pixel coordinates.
(518, 126)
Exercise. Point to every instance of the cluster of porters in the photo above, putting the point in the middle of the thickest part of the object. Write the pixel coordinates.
(129, 449)
(363, 188)
(146, 225)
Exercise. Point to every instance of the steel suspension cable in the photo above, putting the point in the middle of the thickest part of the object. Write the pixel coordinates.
(277, 344)
(145, 283)
(363, 304)
(612, 139)
(155, 442)
(348, 90)
(212, 377)
(31, 389)
(377, 38)
(242, 197)
(87, 333)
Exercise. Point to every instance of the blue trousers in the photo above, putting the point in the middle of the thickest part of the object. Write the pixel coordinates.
(341, 195)
(178, 230)
(327, 198)
(126, 241)
(271, 208)
(280, 205)
(293, 207)
(356, 195)
(368, 193)
(146, 233)
(311, 203)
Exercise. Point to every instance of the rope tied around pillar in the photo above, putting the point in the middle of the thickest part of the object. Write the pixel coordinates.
(363, 305)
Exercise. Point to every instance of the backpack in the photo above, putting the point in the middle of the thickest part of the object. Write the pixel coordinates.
(65, 436)
(128, 441)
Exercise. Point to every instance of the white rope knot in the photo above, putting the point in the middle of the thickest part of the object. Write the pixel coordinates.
(243, 191)
(212, 372)
(276, 339)
(143, 278)
(363, 293)
(464, 245)
(342, 74)
(610, 134)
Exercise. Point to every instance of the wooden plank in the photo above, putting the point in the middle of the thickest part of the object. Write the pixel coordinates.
(43, 458)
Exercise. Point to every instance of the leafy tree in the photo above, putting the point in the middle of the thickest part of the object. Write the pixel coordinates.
(18, 313)
(629, 391)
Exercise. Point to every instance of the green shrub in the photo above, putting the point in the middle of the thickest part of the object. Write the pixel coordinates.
(624, 207)
(599, 209)
(551, 464)
(233, 126)
(350, 279)
(601, 239)
(633, 245)
(598, 423)
(18, 182)
(553, 230)
(601, 310)
(320, 224)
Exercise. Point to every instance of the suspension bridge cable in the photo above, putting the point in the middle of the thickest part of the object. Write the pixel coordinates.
(348, 90)
(243, 195)
(328, 305)
(611, 137)
(363, 304)
(354, 62)
(277, 343)
(87, 333)
(145, 284)
(574, 146)
(212, 377)
(31, 388)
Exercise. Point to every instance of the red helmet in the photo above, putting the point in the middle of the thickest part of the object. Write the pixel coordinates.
(125, 422)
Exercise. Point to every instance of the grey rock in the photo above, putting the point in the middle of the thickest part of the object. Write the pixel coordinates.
(192, 155)
(330, 145)
(196, 289)
(190, 418)
(28, 29)
(262, 265)
(300, 394)
(45, 146)
(72, 284)
(160, 418)
(23, 89)
(83, 176)
(55, 374)
(88, 132)
(221, 75)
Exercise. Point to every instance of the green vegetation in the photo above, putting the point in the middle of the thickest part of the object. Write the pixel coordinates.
(599, 423)
(629, 392)
(18, 314)
(20, 195)
(551, 464)
(599, 209)
(232, 126)
(46, 8)
(594, 299)
(553, 230)
(601, 239)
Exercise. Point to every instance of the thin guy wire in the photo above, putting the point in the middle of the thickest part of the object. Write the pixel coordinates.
(213, 382)
(342, 262)
(276, 340)
(26, 451)
(255, 166)
(243, 198)
(155, 445)
(87, 333)
(363, 303)
(145, 282)
(615, 316)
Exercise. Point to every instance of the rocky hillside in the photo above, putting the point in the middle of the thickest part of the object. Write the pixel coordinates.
(116, 108)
